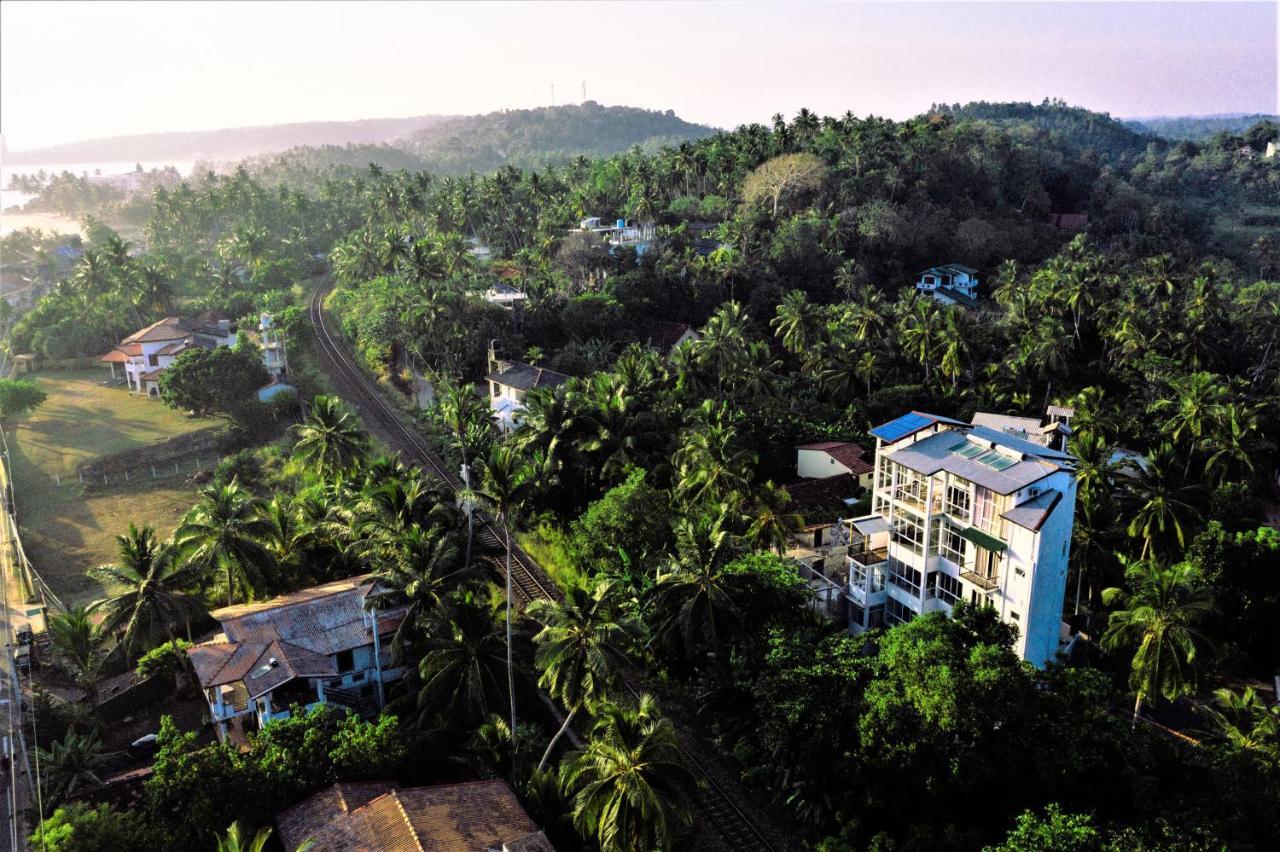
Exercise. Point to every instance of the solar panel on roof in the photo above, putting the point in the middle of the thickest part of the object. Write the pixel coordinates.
(901, 427)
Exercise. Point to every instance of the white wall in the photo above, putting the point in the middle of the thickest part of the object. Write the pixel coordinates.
(816, 464)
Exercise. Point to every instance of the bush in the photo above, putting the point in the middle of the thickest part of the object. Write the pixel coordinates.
(169, 657)
(624, 531)
(80, 828)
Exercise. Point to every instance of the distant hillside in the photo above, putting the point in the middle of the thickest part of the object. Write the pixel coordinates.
(1199, 127)
(230, 144)
(531, 138)
(1061, 122)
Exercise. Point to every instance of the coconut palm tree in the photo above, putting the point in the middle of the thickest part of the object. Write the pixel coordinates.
(1156, 615)
(579, 650)
(70, 765)
(78, 645)
(1162, 501)
(769, 524)
(508, 482)
(1245, 722)
(709, 464)
(236, 840)
(631, 788)
(463, 413)
(330, 439)
(225, 532)
(797, 322)
(150, 588)
(462, 667)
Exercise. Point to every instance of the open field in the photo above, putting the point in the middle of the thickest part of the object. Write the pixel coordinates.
(65, 529)
(51, 222)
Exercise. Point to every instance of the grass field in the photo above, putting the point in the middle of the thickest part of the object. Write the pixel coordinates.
(64, 529)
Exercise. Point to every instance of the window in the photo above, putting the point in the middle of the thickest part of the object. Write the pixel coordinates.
(984, 507)
(153, 360)
(1014, 616)
(958, 502)
(884, 473)
(904, 577)
(896, 612)
(497, 389)
(346, 661)
(969, 450)
(944, 587)
(908, 530)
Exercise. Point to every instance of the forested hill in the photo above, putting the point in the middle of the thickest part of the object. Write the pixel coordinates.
(1199, 127)
(531, 138)
(1072, 126)
(233, 143)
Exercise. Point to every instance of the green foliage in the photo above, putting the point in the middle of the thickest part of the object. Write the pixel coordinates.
(79, 827)
(626, 531)
(209, 381)
(18, 397)
(1053, 831)
(169, 657)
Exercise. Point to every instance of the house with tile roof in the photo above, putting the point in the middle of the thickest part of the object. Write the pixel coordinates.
(509, 384)
(324, 644)
(145, 354)
(952, 284)
(476, 816)
(972, 512)
(665, 335)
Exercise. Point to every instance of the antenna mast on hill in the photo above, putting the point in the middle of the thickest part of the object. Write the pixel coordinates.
(584, 91)
(553, 94)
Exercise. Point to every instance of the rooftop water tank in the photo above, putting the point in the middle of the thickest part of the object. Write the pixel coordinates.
(622, 223)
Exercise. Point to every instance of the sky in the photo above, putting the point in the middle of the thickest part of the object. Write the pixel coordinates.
(73, 71)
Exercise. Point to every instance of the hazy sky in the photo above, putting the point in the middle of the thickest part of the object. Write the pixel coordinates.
(76, 71)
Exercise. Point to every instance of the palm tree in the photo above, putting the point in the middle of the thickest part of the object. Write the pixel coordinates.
(796, 322)
(235, 840)
(631, 787)
(579, 649)
(709, 464)
(425, 567)
(77, 645)
(508, 483)
(330, 438)
(225, 531)
(463, 662)
(769, 524)
(1163, 506)
(150, 590)
(1230, 442)
(1198, 402)
(462, 411)
(70, 765)
(1245, 722)
(1158, 615)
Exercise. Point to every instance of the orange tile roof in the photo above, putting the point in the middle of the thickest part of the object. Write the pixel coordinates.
(845, 452)
(469, 817)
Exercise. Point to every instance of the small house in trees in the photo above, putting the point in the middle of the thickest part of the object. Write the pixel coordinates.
(274, 356)
(621, 233)
(953, 284)
(665, 335)
(474, 816)
(509, 384)
(324, 644)
(505, 295)
(145, 354)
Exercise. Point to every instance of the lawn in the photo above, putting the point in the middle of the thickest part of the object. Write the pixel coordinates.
(65, 528)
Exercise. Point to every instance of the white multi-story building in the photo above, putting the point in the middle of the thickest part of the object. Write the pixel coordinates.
(964, 512)
(147, 352)
(274, 357)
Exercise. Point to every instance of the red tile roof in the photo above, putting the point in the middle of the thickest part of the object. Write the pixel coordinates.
(824, 492)
(115, 356)
(470, 817)
(173, 328)
(846, 453)
(663, 334)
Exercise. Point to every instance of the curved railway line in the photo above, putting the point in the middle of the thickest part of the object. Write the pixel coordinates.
(731, 823)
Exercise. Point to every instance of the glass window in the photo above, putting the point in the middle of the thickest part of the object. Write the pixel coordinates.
(897, 613)
(968, 450)
(908, 530)
(959, 502)
(904, 577)
(944, 587)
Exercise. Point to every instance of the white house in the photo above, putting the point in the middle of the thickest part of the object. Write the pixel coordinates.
(274, 356)
(953, 284)
(963, 512)
(621, 233)
(666, 335)
(510, 383)
(506, 296)
(825, 459)
(146, 353)
(325, 644)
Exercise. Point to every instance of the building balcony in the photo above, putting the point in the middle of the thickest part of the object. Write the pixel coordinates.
(867, 557)
(982, 581)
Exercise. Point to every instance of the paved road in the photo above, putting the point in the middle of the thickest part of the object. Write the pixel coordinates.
(16, 780)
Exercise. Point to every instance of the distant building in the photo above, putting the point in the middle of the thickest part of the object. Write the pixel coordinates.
(505, 295)
(324, 644)
(621, 233)
(665, 336)
(1272, 148)
(953, 284)
(1053, 430)
(146, 353)
(833, 458)
(509, 384)
(476, 816)
(274, 356)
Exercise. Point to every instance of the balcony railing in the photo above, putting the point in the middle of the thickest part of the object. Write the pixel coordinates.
(982, 581)
(869, 556)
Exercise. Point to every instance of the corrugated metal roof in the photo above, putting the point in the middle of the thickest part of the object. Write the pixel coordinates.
(1034, 512)
(934, 453)
(525, 377)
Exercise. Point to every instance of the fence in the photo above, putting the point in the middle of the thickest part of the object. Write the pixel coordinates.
(141, 474)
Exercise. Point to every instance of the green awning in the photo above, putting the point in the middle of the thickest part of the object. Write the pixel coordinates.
(983, 539)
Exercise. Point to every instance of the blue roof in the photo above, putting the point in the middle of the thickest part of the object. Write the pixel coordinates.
(909, 424)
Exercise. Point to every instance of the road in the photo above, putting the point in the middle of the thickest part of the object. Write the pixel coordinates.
(16, 781)
(720, 816)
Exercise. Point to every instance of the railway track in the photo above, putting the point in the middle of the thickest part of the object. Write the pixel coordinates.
(716, 808)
